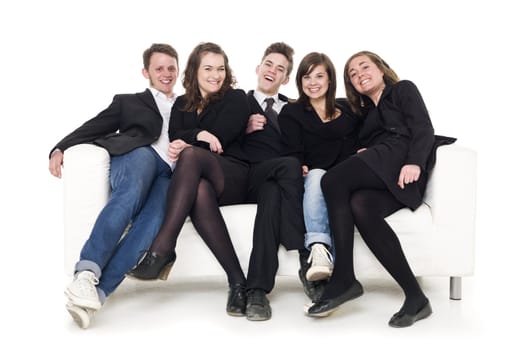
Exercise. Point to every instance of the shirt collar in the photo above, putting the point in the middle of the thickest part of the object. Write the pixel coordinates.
(156, 93)
(260, 97)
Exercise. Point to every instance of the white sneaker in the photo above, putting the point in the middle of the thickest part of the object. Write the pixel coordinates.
(321, 263)
(80, 315)
(82, 291)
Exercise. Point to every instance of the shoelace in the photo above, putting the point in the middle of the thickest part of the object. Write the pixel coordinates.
(88, 278)
(318, 250)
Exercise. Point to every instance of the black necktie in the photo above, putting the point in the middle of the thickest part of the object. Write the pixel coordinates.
(271, 114)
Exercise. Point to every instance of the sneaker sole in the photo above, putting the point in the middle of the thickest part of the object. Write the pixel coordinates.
(78, 316)
(82, 302)
(318, 273)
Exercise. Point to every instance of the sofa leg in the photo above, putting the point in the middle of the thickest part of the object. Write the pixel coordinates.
(455, 288)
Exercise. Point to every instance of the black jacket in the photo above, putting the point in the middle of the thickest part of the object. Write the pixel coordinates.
(129, 122)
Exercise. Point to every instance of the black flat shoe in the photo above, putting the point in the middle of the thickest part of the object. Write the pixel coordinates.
(258, 306)
(326, 307)
(236, 304)
(153, 267)
(401, 319)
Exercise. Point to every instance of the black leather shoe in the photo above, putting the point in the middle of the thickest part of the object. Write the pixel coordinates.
(258, 306)
(326, 307)
(153, 267)
(313, 289)
(236, 304)
(401, 319)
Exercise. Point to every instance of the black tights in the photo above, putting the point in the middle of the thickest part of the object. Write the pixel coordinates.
(196, 185)
(355, 195)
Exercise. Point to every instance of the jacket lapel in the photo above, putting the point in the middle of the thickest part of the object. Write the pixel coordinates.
(148, 99)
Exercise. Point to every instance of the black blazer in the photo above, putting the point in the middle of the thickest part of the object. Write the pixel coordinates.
(226, 119)
(131, 121)
(264, 144)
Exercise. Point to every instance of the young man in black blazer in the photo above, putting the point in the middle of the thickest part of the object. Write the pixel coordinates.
(275, 183)
(134, 130)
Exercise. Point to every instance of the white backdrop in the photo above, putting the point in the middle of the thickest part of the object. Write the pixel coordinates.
(63, 61)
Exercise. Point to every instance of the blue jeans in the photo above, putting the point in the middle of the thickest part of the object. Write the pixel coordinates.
(139, 181)
(315, 211)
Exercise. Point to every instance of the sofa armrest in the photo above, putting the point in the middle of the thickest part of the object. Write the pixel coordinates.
(451, 195)
(86, 190)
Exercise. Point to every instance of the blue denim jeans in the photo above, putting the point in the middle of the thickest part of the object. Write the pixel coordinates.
(315, 211)
(139, 181)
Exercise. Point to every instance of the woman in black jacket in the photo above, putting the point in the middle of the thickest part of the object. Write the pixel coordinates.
(320, 131)
(205, 128)
(387, 174)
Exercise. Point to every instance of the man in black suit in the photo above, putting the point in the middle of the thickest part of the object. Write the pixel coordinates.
(134, 130)
(275, 183)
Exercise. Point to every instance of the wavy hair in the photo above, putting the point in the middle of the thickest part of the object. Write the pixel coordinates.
(194, 99)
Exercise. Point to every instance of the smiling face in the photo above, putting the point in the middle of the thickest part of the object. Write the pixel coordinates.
(211, 73)
(316, 83)
(365, 76)
(272, 73)
(162, 73)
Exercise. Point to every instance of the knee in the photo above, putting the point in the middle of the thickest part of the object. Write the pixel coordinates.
(291, 168)
(188, 153)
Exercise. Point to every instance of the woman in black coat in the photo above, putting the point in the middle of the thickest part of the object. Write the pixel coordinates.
(387, 174)
(205, 129)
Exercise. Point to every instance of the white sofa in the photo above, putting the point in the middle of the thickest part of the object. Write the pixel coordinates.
(438, 238)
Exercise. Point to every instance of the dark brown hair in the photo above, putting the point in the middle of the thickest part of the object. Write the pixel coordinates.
(283, 49)
(194, 99)
(161, 48)
(308, 63)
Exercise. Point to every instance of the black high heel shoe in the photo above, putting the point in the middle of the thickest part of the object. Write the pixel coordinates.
(153, 267)
(236, 303)
(326, 307)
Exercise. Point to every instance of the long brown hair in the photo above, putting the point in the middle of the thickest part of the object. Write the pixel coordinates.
(356, 100)
(194, 99)
(308, 63)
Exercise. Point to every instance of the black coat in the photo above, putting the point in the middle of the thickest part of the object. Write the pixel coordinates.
(129, 122)
(397, 132)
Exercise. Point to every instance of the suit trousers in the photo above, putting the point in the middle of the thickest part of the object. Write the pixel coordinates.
(276, 185)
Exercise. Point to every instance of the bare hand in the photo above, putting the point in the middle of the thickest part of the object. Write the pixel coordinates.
(212, 140)
(256, 123)
(361, 150)
(56, 163)
(410, 173)
(175, 148)
(305, 170)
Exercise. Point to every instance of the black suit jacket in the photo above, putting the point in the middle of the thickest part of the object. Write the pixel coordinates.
(263, 144)
(131, 121)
